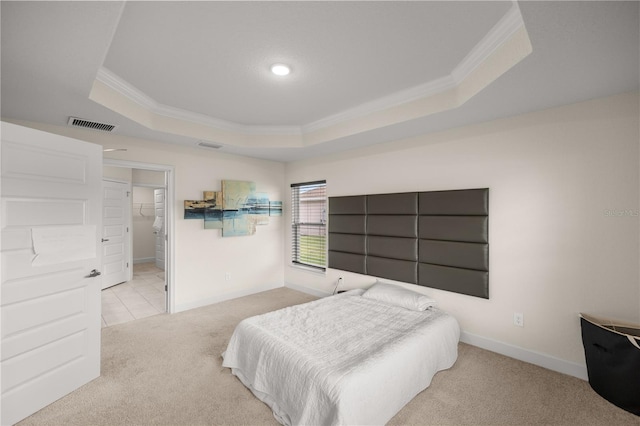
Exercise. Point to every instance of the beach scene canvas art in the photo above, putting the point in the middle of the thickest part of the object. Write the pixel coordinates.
(236, 210)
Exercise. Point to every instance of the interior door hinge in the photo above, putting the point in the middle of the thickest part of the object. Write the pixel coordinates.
(127, 264)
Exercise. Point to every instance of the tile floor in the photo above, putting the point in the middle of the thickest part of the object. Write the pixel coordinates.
(141, 297)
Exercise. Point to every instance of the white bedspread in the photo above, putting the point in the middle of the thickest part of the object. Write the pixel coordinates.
(343, 359)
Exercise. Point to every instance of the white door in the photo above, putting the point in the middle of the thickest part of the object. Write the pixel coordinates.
(159, 226)
(51, 214)
(116, 212)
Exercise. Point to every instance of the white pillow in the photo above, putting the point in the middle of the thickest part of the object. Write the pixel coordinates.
(355, 292)
(399, 296)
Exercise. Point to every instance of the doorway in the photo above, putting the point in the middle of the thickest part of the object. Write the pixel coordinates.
(149, 290)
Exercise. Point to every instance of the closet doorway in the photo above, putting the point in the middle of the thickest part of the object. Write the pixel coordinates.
(148, 290)
(148, 214)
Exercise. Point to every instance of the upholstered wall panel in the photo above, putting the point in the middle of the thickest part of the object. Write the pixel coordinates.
(393, 226)
(348, 224)
(436, 239)
(393, 248)
(392, 236)
(396, 204)
(348, 261)
(350, 243)
(348, 205)
(347, 233)
(399, 270)
(465, 281)
(466, 202)
(471, 229)
(454, 236)
(448, 253)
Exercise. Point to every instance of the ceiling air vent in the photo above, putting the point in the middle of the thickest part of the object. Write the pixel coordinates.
(209, 145)
(93, 125)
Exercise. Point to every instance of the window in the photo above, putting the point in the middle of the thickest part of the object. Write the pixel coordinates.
(308, 224)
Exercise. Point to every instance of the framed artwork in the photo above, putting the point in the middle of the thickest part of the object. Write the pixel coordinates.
(237, 210)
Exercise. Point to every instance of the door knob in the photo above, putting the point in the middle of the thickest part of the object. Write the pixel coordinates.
(94, 273)
(105, 239)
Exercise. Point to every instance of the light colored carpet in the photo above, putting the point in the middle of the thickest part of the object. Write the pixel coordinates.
(166, 370)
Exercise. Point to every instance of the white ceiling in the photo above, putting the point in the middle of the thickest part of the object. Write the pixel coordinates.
(217, 55)
(208, 62)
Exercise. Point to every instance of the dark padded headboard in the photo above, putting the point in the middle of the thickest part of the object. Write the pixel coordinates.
(437, 239)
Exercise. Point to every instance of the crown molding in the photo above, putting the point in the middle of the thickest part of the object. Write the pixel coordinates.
(121, 86)
(496, 37)
(501, 32)
(116, 83)
(194, 117)
(418, 92)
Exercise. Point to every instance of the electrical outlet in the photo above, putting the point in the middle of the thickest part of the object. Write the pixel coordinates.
(227, 276)
(518, 319)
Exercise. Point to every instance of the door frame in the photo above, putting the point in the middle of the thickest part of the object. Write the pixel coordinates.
(169, 172)
(163, 191)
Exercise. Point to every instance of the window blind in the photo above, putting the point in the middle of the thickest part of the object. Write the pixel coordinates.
(308, 224)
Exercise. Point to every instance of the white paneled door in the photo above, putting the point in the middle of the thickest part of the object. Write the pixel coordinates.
(116, 213)
(51, 256)
(159, 226)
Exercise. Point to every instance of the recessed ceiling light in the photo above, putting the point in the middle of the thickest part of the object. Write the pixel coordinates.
(280, 69)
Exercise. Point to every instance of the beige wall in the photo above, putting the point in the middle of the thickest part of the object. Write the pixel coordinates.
(202, 258)
(564, 233)
(563, 227)
(117, 173)
(147, 177)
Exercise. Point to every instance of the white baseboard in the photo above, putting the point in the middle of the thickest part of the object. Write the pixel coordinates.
(179, 307)
(308, 290)
(144, 260)
(526, 355)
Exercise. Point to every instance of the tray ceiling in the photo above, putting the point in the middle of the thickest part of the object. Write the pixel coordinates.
(362, 72)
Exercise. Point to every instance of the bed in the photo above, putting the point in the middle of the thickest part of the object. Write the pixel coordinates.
(354, 358)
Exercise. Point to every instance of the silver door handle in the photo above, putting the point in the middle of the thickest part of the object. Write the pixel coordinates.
(94, 273)
(105, 239)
